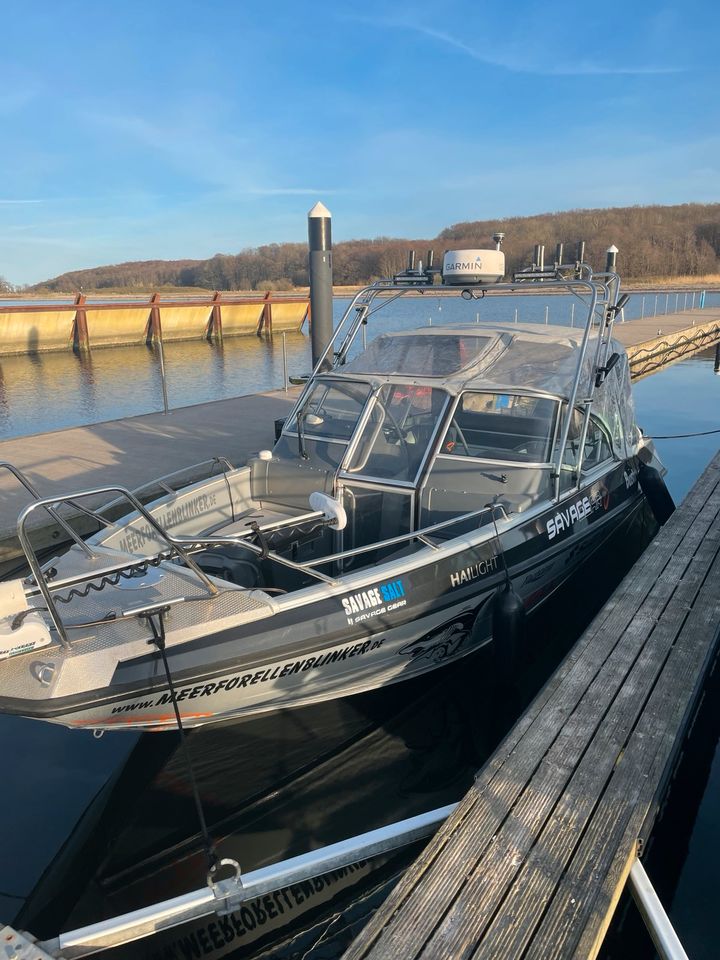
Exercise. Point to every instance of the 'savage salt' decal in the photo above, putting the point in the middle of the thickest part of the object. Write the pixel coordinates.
(374, 601)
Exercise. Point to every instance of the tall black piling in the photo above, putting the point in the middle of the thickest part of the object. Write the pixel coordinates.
(611, 259)
(321, 293)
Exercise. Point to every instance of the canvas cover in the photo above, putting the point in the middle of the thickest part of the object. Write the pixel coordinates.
(506, 357)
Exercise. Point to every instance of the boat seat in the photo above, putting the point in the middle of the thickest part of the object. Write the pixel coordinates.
(289, 483)
(455, 487)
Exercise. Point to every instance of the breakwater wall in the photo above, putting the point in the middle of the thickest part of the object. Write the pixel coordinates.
(79, 325)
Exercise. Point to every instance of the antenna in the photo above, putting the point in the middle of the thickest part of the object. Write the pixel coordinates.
(498, 237)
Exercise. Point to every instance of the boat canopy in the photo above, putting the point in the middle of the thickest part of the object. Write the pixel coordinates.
(530, 357)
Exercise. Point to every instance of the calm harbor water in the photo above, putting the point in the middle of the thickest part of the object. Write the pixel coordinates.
(49, 391)
(91, 827)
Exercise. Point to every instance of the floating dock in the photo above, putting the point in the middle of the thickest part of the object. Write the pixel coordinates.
(133, 451)
(533, 861)
(655, 342)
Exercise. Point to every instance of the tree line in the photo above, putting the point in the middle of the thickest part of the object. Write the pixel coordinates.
(654, 241)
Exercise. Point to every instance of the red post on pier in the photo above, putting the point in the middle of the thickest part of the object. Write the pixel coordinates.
(215, 331)
(265, 325)
(154, 327)
(80, 336)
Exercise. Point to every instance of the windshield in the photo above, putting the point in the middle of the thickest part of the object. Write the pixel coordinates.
(331, 411)
(396, 437)
(501, 427)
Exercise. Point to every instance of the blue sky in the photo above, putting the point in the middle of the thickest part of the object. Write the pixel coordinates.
(182, 129)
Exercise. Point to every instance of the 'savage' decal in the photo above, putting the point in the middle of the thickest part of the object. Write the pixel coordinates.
(564, 519)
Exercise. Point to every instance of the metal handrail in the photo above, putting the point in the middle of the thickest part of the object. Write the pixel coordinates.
(227, 467)
(34, 564)
(228, 895)
(413, 535)
(194, 544)
(602, 292)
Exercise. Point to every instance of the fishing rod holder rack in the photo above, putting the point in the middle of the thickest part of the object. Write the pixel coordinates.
(47, 587)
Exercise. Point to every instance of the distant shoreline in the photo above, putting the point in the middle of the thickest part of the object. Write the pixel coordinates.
(709, 282)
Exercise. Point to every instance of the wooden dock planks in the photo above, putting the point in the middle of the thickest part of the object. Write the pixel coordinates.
(535, 858)
(655, 342)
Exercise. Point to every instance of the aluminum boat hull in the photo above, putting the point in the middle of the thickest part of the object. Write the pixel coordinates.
(402, 619)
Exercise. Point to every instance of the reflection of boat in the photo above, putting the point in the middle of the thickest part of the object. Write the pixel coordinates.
(411, 482)
(273, 787)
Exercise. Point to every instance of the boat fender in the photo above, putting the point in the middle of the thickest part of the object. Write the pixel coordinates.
(508, 626)
(656, 493)
(332, 508)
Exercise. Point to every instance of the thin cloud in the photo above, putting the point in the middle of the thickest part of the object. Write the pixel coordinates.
(21, 201)
(515, 64)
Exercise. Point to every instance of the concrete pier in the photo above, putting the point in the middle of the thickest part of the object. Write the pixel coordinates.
(135, 450)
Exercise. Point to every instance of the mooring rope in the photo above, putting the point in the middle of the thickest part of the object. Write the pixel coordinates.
(681, 436)
(159, 640)
(112, 580)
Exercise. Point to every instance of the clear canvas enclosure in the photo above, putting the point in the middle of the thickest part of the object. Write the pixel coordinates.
(396, 436)
(420, 355)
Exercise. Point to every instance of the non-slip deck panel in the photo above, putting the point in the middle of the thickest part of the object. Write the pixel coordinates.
(534, 860)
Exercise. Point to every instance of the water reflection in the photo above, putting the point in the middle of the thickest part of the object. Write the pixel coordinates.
(86, 382)
(43, 392)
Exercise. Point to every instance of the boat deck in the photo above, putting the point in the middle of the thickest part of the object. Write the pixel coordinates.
(536, 856)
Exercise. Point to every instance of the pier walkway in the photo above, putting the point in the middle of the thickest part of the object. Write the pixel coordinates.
(533, 861)
(654, 342)
(135, 450)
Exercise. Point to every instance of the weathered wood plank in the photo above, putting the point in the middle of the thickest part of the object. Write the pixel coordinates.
(524, 904)
(580, 905)
(620, 688)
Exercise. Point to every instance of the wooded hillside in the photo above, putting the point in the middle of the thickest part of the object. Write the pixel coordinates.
(656, 241)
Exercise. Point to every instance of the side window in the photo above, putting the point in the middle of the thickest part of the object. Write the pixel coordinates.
(501, 427)
(597, 445)
(596, 450)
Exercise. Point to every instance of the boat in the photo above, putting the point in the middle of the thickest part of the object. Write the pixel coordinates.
(430, 487)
